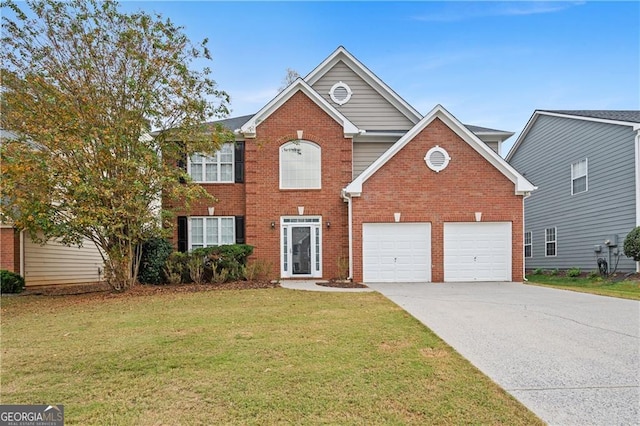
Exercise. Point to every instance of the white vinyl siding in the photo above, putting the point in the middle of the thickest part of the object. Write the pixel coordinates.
(528, 246)
(211, 231)
(300, 165)
(57, 264)
(550, 242)
(219, 168)
(579, 177)
(367, 108)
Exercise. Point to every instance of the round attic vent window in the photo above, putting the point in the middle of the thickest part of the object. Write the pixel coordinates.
(437, 159)
(340, 93)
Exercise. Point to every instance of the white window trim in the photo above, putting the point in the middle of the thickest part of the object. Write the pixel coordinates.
(190, 240)
(554, 241)
(319, 168)
(586, 176)
(530, 244)
(233, 161)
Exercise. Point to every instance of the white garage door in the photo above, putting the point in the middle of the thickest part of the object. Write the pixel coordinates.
(396, 252)
(477, 251)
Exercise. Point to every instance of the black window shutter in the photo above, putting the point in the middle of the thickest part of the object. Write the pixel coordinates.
(182, 161)
(240, 230)
(183, 238)
(239, 162)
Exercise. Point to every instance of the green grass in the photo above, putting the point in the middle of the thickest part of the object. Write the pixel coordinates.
(240, 357)
(627, 289)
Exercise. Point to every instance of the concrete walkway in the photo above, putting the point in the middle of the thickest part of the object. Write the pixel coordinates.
(572, 358)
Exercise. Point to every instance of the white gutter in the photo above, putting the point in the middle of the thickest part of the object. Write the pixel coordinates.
(637, 157)
(22, 253)
(524, 229)
(347, 198)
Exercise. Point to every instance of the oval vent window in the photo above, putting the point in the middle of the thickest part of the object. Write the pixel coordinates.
(437, 159)
(340, 93)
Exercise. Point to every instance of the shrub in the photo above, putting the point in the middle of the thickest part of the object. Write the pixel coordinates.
(632, 244)
(538, 271)
(10, 282)
(554, 272)
(196, 268)
(231, 257)
(174, 268)
(155, 253)
(258, 270)
(593, 275)
(573, 272)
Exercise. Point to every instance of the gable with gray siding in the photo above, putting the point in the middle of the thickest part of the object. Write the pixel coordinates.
(586, 219)
(367, 108)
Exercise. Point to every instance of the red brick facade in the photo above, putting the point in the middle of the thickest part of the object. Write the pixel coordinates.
(10, 249)
(469, 184)
(266, 203)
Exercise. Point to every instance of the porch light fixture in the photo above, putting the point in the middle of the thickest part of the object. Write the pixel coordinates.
(478, 216)
(211, 210)
(299, 132)
(396, 217)
(273, 225)
(328, 224)
(300, 210)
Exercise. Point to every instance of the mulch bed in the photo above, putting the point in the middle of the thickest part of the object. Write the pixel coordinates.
(103, 290)
(341, 284)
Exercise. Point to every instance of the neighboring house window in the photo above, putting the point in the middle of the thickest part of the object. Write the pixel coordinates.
(550, 241)
(528, 252)
(579, 177)
(211, 231)
(218, 168)
(300, 165)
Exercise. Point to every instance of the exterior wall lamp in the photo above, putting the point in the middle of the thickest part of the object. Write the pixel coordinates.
(328, 224)
(273, 225)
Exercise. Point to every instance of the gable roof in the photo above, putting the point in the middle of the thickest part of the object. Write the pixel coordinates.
(618, 117)
(522, 185)
(249, 128)
(341, 54)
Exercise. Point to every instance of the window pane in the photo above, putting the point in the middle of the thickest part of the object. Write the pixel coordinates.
(196, 232)
(225, 154)
(212, 231)
(527, 237)
(226, 172)
(551, 249)
(196, 172)
(527, 251)
(580, 184)
(227, 231)
(300, 165)
(212, 173)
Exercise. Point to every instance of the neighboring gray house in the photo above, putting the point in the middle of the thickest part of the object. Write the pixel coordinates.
(586, 165)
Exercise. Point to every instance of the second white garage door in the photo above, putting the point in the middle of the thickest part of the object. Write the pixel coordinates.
(396, 252)
(477, 251)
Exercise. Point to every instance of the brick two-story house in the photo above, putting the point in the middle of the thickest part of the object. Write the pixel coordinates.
(339, 170)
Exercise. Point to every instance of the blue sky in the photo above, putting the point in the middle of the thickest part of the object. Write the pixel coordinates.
(489, 63)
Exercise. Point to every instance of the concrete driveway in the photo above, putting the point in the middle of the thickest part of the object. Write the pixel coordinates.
(571, 358)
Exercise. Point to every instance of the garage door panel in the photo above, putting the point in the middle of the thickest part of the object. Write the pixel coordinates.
(477, 251)
(396, 252)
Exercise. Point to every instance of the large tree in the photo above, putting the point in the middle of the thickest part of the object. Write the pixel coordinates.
(83, 85)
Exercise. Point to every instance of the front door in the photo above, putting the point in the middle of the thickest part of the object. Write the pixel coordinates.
(301, 254)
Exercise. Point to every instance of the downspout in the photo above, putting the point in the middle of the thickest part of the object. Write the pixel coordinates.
(524, 228)
(22, 253)
(637, 157)
(347, 198)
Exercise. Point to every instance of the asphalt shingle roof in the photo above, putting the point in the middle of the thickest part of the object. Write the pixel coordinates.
(616, 115)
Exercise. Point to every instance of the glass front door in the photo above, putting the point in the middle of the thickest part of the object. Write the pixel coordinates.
(301, 254)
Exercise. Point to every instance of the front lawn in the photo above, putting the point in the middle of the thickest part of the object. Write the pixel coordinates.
(623, 288)
(240, 357)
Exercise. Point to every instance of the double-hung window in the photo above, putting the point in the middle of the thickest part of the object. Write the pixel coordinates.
(219, 168)
(550, 241)
(528, 247)
(300, 165)
(579, 177)
(211, 231)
